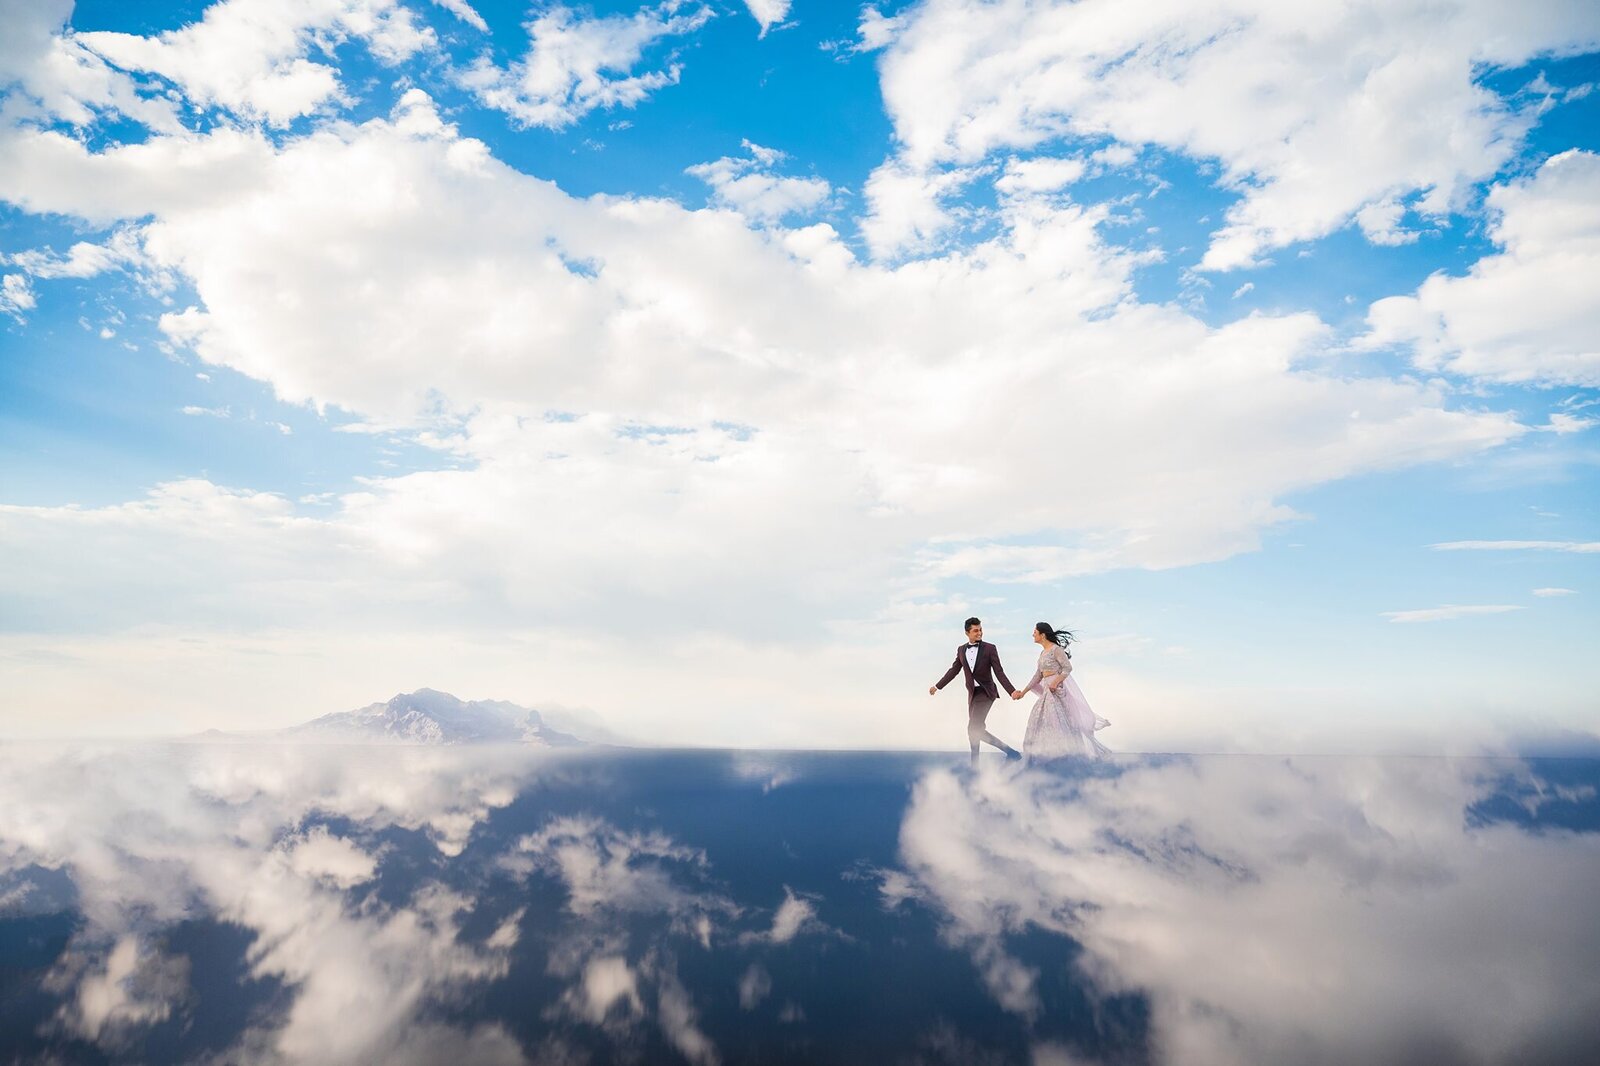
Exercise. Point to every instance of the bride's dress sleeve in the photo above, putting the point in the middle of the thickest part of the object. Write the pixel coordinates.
(1063, 663)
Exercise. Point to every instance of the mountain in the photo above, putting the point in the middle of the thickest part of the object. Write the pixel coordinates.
(427, 716)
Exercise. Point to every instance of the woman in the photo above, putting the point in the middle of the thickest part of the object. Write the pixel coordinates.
(1061, 722)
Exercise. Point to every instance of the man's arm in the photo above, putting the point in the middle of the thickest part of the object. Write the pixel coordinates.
(955, 668)
(1000, 672)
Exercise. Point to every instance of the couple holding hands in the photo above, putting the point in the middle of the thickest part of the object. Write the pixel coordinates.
(1061, 723)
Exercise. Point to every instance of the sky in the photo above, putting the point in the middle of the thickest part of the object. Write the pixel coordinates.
(703, 366)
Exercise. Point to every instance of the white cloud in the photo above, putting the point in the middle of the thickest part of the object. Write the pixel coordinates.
(736, 322)
(732, 378)
(1346, 115)
(1554, 592)
(876, 30)
(50, 74)
(1024, 176)
(577, 64)
(249, 56)
(1449, 612)
(157, 835)
(794, 915)
(1418, 919)
(607, 982)
(1563, 424)
(677, 1017)
(1380, 223)
(318, 853)
(768, 13)
(465, 12)
(1575, 546)
(16, 295)
(130, 986)
(755, 985)
(906, 210)
(1116, 155)
(610, 873)
(83, 260)
(607, 870)
(46, 171)
(1527, 313)
(749, 187)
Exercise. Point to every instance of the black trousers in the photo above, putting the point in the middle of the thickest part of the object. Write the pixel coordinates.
(978, 704)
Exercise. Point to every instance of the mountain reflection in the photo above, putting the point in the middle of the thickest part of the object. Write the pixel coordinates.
(304, 904)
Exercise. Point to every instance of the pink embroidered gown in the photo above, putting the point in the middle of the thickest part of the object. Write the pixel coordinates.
(1062, 722)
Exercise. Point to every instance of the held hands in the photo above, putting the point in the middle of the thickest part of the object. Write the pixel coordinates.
(1017, 695)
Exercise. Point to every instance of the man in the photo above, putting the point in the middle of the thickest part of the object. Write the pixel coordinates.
(981, 664)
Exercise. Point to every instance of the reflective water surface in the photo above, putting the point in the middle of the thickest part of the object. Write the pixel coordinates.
(302, 904)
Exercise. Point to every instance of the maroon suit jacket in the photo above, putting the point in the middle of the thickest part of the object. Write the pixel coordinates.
(979, 678)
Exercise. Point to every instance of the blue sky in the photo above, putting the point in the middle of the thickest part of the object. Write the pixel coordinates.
(1195, 331)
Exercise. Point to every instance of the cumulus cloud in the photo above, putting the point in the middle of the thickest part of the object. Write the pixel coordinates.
(1024, 176)
(576, 64)
(1374, 920)
(906, 207)
(768, 13)
(49, 74)
(1526, 313)
(876, 30)
(748, 185)
(733, 377)
(1365, 113)
(249, 56)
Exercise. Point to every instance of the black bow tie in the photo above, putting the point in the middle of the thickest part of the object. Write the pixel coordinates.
(973, 645)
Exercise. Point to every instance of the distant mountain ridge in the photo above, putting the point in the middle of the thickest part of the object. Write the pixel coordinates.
(428, 716)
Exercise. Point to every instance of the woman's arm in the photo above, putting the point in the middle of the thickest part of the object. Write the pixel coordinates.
(1064, 663)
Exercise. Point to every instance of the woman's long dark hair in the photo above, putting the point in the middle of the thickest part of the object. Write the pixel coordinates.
(1062, 637)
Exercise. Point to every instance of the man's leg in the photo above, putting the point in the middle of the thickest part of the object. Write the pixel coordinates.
(977, 726)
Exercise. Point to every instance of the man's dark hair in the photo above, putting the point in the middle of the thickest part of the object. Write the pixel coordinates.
(972, 622)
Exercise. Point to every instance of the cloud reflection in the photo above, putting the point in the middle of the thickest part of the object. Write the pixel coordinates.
(269, 904)
(1274, 910)
(155, 836)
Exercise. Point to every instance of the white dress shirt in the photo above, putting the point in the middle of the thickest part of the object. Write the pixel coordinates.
(972, 657)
